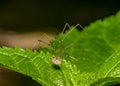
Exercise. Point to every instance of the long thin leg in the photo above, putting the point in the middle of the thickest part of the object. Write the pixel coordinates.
(35, 43)
(67, 34)
(78, 25)
(38, 42)
(66, 25)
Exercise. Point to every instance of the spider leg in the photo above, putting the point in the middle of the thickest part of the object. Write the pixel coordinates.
(73, 58)
(39, 42)
(35, 43)
(65, 26)
(78, 25)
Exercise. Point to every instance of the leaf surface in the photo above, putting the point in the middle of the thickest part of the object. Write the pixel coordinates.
(88, 57)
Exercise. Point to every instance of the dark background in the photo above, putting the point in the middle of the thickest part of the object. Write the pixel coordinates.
(29, 14)
(23, 16)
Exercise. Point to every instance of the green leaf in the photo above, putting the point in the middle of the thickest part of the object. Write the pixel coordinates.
(109, 81)
(39, 66)
(111, 67)
(76, 58)
(92, 47)
(26, 62)
(109, 73)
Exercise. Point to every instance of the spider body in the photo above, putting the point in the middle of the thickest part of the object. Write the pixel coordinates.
(56, 61)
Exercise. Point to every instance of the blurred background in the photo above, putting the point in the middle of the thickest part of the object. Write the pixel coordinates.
(23, 22)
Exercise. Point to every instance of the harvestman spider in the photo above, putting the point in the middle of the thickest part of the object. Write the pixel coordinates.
(55, 60)
(58, 61)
